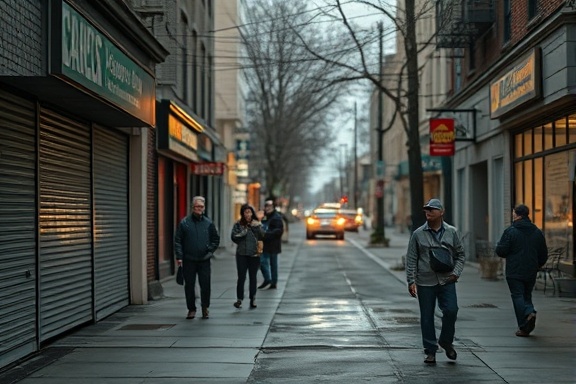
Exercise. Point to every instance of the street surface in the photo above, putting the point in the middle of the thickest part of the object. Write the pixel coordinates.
(341, 314)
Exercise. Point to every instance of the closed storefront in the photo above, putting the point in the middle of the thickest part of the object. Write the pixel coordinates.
(72, 168)
(111, 264)
(17, 227)
(65, 220)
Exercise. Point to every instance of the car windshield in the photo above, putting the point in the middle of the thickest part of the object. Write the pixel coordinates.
(325, 215)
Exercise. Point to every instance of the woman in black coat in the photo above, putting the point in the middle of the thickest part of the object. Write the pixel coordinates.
(246, 233)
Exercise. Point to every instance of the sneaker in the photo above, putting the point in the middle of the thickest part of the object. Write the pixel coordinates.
(253, 304)
(272, 286)
(238, 304)
(205, 313)
(450, 351)
(530, 323)
(264, 285)
(430, 359)
(191, 314)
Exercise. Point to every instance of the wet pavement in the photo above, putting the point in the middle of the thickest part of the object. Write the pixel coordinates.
(341, 313)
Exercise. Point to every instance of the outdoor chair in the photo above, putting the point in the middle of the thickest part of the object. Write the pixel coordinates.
(551, 269)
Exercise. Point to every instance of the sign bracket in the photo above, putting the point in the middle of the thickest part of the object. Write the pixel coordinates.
(463, 133)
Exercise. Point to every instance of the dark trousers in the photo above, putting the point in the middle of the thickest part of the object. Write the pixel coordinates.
(203, 269)
(250, 264)
(448, 304)
(521, 293)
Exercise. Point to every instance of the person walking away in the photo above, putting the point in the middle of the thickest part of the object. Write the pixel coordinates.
(246, 233)
(274, 227)
(195, 242)
(430, 286)
(524, 247)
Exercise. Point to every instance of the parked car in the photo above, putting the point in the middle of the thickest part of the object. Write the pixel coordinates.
(353, 219)
(325, 221)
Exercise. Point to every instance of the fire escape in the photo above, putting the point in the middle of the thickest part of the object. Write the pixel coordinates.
(459, 22)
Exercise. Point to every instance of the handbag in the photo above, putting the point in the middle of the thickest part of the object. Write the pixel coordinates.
(180, 276)
(441, 260)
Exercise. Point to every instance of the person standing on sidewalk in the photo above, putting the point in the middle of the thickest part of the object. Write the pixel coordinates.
(274, 227)
(246, 233)
(195, 242)
(430, 286)
(524, 247)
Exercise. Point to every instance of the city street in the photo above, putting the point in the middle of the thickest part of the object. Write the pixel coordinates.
(341, 314)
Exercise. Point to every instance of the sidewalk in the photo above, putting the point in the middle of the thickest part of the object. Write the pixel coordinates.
(154, 343)
(486, 323)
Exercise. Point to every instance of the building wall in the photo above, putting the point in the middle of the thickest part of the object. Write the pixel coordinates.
(22, 48)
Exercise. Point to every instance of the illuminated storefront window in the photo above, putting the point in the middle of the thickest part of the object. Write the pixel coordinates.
(544, 167)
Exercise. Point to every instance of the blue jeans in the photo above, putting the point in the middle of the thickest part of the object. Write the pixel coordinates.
(203, 269)
(521, 292)
(448, 304)
(269, 267)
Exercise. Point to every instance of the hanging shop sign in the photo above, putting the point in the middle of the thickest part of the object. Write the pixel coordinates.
(207, 169)
(518, 86)
(81, 53)
(442, 137)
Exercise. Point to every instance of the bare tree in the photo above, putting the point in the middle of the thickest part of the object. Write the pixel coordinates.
(355, 56)
(291, 108)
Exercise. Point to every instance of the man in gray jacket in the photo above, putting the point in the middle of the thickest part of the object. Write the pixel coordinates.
(195, 241)
(428, 285)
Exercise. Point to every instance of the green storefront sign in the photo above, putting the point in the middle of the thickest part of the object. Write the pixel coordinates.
(90, 59)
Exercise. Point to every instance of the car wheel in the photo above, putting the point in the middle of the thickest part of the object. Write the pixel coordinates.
(341, 236)
(308, 235)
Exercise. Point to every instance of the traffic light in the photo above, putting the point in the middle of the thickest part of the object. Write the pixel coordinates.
(344, 199)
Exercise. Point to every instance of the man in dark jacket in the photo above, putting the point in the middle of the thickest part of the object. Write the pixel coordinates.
(524, 247)
(274, 227)
(195, 241)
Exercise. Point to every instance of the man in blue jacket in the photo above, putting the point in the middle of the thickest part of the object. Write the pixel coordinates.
(524, 247)
(195, 241)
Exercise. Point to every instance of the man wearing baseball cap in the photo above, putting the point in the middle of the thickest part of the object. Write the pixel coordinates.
(430, 286)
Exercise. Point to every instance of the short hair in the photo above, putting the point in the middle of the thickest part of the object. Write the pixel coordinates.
(198, 198)
(522, 210)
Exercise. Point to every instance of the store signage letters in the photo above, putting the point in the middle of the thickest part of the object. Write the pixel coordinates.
(207, 169)
(517, 86)
(89, 58)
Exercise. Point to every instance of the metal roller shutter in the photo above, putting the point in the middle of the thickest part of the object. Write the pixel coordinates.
(17, 228)
(111, 254)
(65, 224)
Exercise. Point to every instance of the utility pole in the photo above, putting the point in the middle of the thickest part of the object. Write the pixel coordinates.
(379, 236)
(355, 158)
(343, 170)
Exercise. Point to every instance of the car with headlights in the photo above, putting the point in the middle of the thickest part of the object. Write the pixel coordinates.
(353, 218)
(325, 221)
